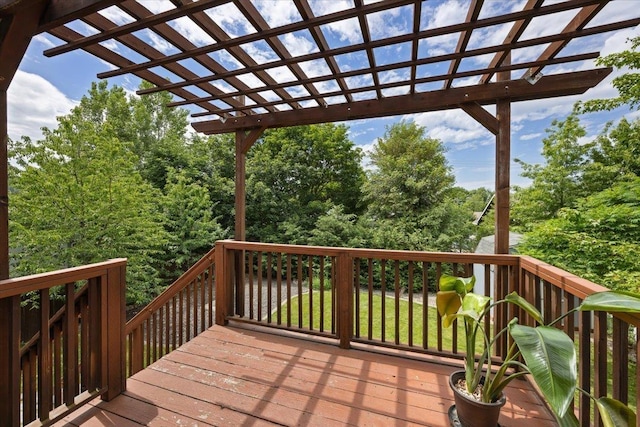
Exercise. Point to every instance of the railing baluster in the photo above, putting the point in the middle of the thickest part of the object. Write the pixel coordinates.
(279, 288)
(259, 268)
(321, 294)
(310, 287)
(425, 305)
(44, 357)
(289, 272)
(383, 296)
(584, 364)
(439, 322)
(300, 323)
(620, 356)
(396, 288)
(357, 296)
(251, 285)
(410, 308)
(600, 361)
(370, 299)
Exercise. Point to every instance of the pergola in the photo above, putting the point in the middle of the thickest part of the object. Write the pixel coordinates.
(239, 88)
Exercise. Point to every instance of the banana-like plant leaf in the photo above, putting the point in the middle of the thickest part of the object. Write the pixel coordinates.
(474, 304)
(614, 413)
(516, 299)
(461, 285)
(551, 357)
(569, 420)
(448, 283)
(448, 302)
(612, 301)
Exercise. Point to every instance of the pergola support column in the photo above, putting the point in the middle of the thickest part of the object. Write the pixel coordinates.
(503, 170)
(244, 141)
(9, 307)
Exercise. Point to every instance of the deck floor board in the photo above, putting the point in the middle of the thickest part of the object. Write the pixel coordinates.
(232, 376)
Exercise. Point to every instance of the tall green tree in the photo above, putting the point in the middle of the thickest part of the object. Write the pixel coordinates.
(557, 183)
(411, 174)
(296, 175)
(410, 192)
(77, 196)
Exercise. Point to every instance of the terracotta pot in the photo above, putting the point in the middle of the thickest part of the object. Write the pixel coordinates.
(471, 412)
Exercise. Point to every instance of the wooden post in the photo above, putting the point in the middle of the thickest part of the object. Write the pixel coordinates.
(223, 280)
(503, 167)
(241, 192)
(344, 294)
(114, 326)
(9, 307)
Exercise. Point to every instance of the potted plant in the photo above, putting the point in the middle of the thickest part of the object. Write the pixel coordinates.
(544, 351)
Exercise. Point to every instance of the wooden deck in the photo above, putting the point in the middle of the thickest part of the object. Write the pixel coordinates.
(233, 376)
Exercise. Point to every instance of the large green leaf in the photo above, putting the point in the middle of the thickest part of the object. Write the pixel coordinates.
(551, 357)
(614, 413)
(461, 285)
(612, 301)
(516, 299)
(474, 304)
(448, 302)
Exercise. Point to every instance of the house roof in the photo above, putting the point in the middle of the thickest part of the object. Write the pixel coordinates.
(255, 77)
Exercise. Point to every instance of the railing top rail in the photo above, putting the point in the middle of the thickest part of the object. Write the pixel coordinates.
(375, 253)
(170, 291)
(34, 282)
(570, 283)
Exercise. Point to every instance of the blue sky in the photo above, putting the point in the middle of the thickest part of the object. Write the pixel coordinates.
(46, 87)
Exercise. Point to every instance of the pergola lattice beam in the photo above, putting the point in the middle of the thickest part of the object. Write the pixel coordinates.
(512, 90)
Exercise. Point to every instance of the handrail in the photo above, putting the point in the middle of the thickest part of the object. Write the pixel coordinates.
(35, 282)
(181, 312)
(165, 296)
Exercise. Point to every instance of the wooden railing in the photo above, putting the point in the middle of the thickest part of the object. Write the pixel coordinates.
(367, 296)
(174, 317)
(78, 352)
(381, 298)
(606, 354)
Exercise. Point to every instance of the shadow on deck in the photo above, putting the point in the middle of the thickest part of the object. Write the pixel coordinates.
(237, 376)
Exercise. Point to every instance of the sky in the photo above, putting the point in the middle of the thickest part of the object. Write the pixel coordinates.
(44, 88)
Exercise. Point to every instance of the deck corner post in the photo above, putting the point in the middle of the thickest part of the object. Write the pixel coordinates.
(344, 303)
(116, 380)
(223, 280)
(10, 360)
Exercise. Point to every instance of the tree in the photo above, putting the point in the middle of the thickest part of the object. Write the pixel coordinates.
(296, 175)
(338, 229)
(191, 229)
(411, 173)
(77, 197)
(410, 193)
(599, 239)
(557, 183)
(614, 156)
(628, 84)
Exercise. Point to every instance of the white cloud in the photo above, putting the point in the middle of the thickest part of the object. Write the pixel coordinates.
(530, 136)
(278, 12)
(33, 103)
(451, 127)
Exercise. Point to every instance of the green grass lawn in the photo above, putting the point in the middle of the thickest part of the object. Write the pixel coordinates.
(377, 323)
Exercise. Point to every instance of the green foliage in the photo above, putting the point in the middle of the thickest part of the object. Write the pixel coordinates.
(558, 183)
(77, 198)
(338, 229)
(598, 240)
(628, 84)
(297, 174)
(191, 229)
(410, 195)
